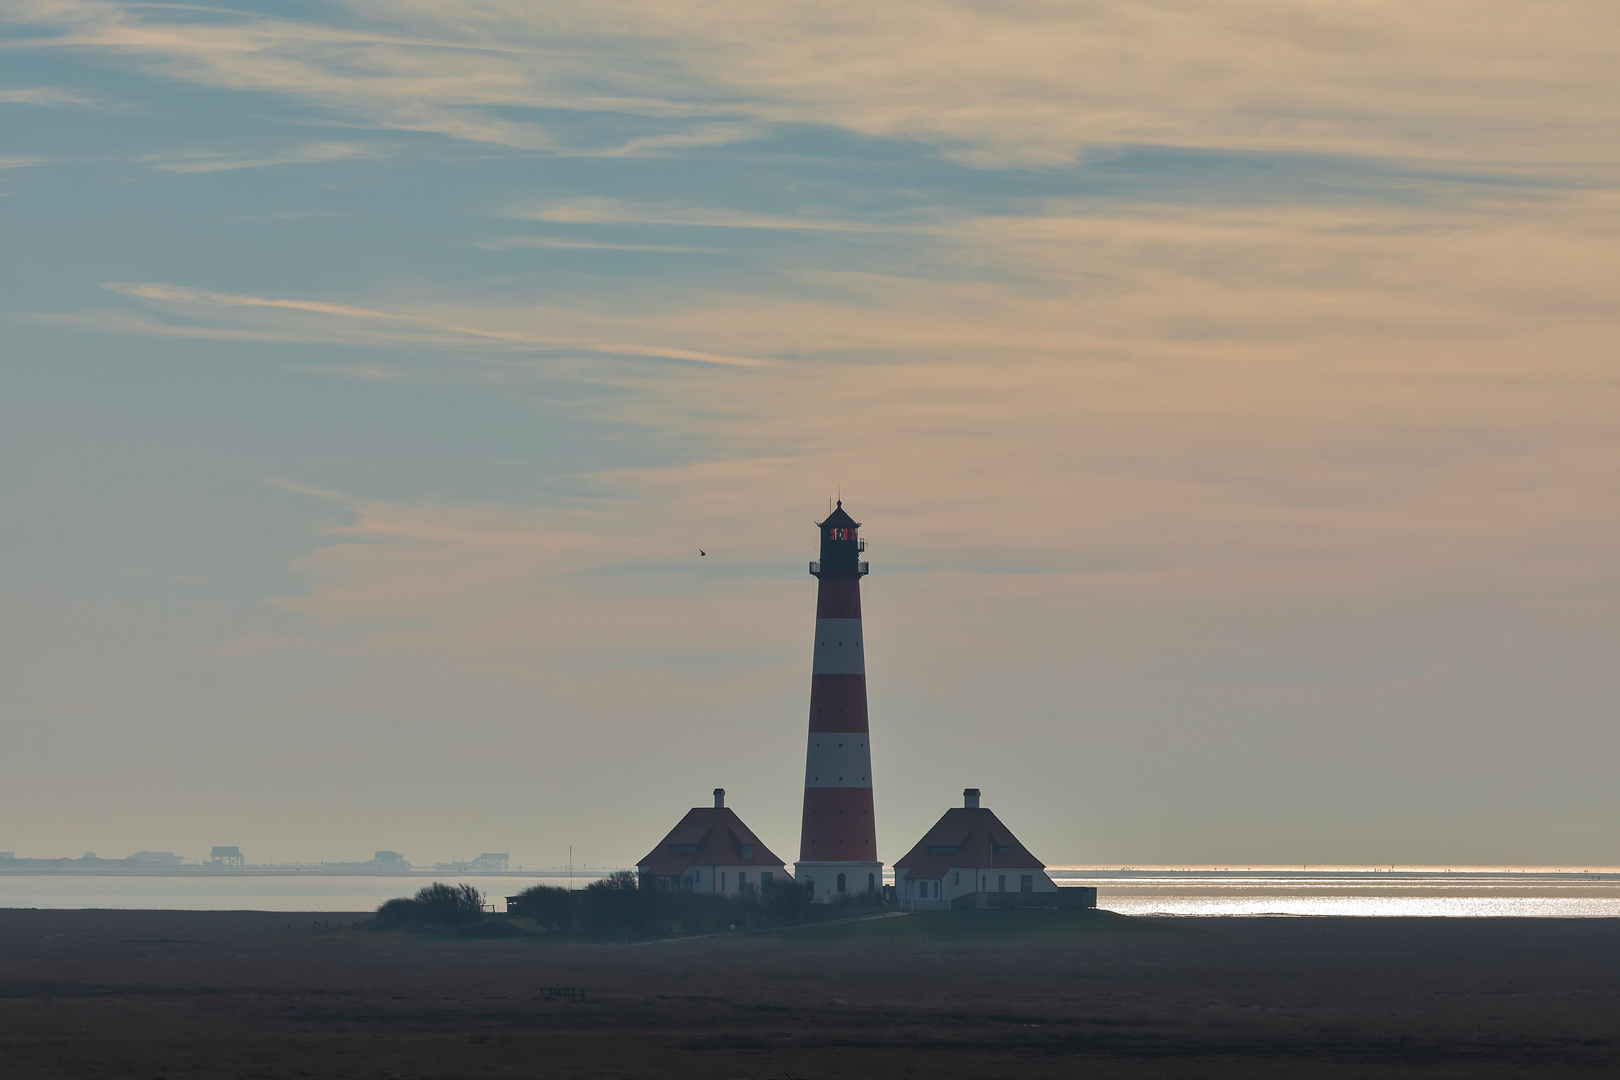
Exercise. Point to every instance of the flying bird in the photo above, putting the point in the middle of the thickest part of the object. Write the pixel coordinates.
(702, 552)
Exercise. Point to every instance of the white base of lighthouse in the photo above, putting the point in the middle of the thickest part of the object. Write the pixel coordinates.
(828, 881)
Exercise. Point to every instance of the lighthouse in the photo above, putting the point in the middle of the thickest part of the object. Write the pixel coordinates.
(838, 837)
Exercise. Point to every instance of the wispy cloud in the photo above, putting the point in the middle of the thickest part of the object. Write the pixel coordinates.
(397, 327)
(694, 136)
(259, 644)
(1021, 83)
(1223, 387)
(41, 95)
(1064, 280)
(320, 493)
(203, 161)
(504, 243)
(181, 295)
(590, 210)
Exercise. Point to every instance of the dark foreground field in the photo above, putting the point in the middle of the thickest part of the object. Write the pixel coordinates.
(958, 994)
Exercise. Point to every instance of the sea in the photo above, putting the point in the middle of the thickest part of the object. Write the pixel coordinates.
(1559, 892)
(1429, 891)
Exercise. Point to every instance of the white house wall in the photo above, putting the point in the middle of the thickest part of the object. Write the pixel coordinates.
(963, 880)
(726, 876)
(707, 879)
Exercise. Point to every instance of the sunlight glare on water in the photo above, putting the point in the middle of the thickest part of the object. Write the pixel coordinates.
(1468, 892)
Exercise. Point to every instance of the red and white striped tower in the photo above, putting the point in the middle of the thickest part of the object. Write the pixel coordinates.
(838, 839)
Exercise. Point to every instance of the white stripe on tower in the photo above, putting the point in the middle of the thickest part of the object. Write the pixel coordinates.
(838, 759)
(838, 648)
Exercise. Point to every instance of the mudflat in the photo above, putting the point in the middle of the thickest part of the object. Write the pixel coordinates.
(954, 994)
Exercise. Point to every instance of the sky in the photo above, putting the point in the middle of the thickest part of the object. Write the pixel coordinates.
(1228, 392)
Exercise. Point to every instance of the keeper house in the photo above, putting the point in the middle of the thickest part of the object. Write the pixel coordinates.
(712, 851)
(970, 859)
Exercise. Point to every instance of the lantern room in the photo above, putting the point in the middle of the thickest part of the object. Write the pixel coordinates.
(841, 545)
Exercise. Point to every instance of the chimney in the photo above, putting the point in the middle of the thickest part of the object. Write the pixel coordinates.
(719, 798)
(970, 798)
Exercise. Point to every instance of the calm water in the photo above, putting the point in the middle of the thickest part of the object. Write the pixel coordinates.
(1463, 891)
(247, 891)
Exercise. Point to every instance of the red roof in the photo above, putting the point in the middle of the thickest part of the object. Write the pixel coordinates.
(967, 837)
(707, 836)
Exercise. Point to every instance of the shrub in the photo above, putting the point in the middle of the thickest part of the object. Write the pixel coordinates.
(622, 906)
(785, 899)
(450, 905)
(395, 912)
(437, 904)
(863, 898)
(615, 903)
(551, 907)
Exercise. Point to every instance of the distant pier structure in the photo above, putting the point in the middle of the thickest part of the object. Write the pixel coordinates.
(230, 858)
(838, 834)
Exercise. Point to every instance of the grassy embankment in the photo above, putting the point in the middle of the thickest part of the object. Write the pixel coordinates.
(990, 924)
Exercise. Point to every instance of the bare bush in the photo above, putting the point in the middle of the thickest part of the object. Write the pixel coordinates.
(437, 904)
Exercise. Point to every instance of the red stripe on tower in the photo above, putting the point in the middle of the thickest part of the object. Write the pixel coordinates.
(838, 837)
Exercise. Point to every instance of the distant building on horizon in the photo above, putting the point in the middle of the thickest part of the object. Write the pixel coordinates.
(383, 862)
(711, 851)
(228, 857)
(490, 862)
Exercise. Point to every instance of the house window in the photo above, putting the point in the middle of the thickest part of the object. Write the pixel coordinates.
(1026, 883)
(748, 851)
(1003, 880)
(982, 884)
(840, 882)
(722, 882)
(765, 877)
(871, 883)
(958, 880)
(742, 878)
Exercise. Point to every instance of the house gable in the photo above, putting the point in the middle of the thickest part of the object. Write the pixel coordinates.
(966, 837)
(708, 836)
